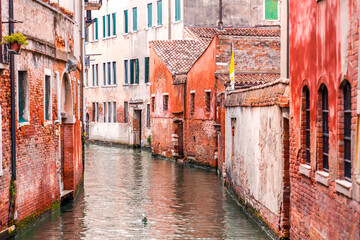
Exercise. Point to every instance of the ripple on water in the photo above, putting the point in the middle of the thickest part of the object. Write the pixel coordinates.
(121, 184)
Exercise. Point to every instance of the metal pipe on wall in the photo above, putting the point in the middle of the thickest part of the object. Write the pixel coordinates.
(13, 96)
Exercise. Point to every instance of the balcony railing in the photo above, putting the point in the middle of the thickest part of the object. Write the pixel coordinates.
(93, 4)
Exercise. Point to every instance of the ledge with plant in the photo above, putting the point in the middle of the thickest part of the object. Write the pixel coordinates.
(15, 41)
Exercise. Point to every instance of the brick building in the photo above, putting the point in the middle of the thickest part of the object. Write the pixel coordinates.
(325, 168)
(117, 85)
(45, 133)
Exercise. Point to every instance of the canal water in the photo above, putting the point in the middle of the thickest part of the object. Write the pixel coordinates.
(122, 184)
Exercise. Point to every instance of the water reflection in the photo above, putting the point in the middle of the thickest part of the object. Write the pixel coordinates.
(121, 184)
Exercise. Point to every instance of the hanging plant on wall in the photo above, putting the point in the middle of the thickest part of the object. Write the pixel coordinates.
(15, 40)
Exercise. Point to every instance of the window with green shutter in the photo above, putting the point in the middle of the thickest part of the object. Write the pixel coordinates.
(177, 10)
(96, 29)
(149, 8)
(109, 73)
(114, 72)
(126, 22)
(108, 25)
(137, 71)
(104, 27)
(146, 69)
(271, 9)
(104, 72)
(134, 11)
(114, 23)
(93, 75)
(159, 13)
(131, 71)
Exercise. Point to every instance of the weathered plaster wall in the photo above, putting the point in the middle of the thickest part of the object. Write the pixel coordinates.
(111, 132)
(257, 164)
(235, 13)
(38, 164)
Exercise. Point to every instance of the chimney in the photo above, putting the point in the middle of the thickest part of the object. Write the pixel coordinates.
(220, 15)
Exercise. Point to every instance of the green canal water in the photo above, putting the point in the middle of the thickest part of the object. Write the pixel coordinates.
(122, 184)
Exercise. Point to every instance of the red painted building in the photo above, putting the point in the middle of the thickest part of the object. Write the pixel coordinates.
(188, 75)
(47, 129)
(325, 169)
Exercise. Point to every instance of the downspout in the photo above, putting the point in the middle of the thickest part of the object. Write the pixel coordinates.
(220, 15)
(357, 161)
(169, 20)
(287, 40)
(13, 96)
(57, 76)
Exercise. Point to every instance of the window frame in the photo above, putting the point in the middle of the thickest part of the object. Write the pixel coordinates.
(126, 112)
(26, 109)
(325, 128)
(346, 91)
(177, 13)
(149, 23)
(277, 14)
(207, 101)
(126, 71)
(165, 102)
(126, 21)
(134, 19)
(48, 119)
(159, 19)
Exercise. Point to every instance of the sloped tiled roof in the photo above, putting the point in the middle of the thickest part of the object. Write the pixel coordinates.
(249, 79)
(274, 93)
(210, 32)
(179, 55)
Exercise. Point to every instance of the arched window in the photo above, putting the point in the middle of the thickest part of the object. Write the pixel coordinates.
(347, 131)
(325, 128)
(307, 126)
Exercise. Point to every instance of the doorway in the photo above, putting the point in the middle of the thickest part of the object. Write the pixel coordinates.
(179, 132)
(137, 128)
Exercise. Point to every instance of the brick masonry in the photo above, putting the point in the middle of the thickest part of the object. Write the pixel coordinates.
(323, 56)
(38, 142)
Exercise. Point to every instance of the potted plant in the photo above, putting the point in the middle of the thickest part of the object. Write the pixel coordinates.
(15, 40)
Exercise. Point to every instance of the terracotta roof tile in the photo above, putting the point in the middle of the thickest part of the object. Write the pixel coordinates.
(179, 55)
(274, 93)
(210, 32)
(249, 79)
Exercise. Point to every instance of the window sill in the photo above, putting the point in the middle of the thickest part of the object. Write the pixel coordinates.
(305, 170)
(148, 84)
(47, 123)
(322, 177)
(109, 86)
(175, 22)
(91, 87)
(126, 84)
(110, 37)
(158, 26)
(125, 34)
(4, 66)
(344, 187)
(21, 124)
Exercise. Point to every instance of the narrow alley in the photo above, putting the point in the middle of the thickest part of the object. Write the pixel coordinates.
(121, 184)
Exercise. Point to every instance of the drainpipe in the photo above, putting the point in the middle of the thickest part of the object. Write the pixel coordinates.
(169, 20)
(287, 40)
(13, 96)
(58, 97)
(357, 161)
(220, 15)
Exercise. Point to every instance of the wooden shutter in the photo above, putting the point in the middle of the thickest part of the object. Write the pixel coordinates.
(271, 9)
(177, 10)
(104, 27)
(135, 19)
(137, 70)
(96, 29)
(114, 72)
(149, 15)
(126, 21)
(159, 13)
(132, 71)
(108, 25)
(21, 100)
(114, 23)
(146, 69)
